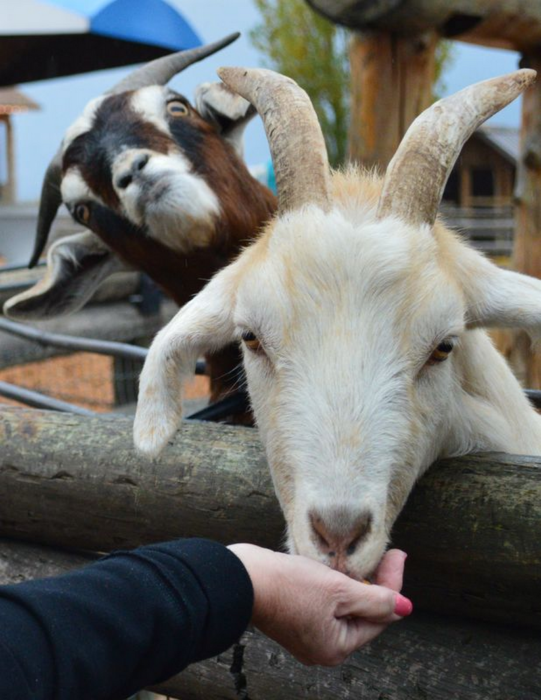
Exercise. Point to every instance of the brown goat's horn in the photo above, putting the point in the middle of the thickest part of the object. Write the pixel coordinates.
(160, 71)
(295, 139)
(417, 175)
(50, 201)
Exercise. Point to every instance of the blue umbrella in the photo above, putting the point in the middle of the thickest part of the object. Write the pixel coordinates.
(51, 38)
(145, 21)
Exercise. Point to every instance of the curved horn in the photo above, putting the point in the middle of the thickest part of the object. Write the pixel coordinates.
(50, 201)
(417, 175)
(160, 71)
(295, 139)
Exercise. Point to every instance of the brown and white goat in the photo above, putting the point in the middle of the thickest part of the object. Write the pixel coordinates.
(160, 186)
(361, 319)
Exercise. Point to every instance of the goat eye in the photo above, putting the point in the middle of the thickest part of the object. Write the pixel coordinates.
(82, 213)
(251, 342)
(176, 108)
(442, 352)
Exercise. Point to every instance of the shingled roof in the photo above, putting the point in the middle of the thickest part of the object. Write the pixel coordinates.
(505, 140)
(13, 101)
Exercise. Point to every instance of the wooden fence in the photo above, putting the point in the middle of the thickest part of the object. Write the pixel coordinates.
(472, 530)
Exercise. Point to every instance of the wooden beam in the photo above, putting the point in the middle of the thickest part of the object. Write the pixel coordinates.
(425, 656)
(527, 244)
(391, 83)
(472, 526)
(509, 24)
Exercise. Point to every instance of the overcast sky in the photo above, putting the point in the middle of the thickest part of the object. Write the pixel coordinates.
(38, 134)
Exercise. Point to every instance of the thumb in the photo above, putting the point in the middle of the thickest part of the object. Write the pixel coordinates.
(375, 603)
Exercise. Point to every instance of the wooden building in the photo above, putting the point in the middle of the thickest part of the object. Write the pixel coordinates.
(12, 102)
(484, 175)
(478, 198)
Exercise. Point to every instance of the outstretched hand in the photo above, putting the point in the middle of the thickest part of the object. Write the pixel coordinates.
(320, 615)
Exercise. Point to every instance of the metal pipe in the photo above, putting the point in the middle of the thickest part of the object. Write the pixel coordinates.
(101, 347)
(37, 400)
(68, 342)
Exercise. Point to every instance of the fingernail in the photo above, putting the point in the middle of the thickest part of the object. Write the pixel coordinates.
(403, 606)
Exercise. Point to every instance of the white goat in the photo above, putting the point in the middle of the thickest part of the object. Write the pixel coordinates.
(360, 315)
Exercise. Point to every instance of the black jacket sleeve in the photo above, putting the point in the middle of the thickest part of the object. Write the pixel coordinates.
(129, 620)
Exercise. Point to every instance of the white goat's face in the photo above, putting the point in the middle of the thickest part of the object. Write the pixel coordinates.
(350, 374)
(358, 313)
(136, 154)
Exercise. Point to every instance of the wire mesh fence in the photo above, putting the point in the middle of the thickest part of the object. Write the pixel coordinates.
(97, 382)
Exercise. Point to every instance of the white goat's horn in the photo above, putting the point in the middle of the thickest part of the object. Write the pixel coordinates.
(416, 176)
(295, 139)
(161, 70)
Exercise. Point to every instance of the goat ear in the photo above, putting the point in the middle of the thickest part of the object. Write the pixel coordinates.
(229, 112)
(76, 266)
(502, 298)
(204, 324)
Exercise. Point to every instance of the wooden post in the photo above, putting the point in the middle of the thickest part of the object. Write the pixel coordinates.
(10, 189)
(391, 82)
(527, 246)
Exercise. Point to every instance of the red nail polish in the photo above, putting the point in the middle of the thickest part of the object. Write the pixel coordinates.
(403, 606)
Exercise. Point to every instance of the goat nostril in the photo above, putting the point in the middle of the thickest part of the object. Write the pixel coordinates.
(339, 531)
(353, 546)
(124, 181)
(141, 161)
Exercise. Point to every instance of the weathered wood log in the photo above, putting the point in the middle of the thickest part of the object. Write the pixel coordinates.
(472, 526)
(425, 656)
(391, 83)
(509, 24)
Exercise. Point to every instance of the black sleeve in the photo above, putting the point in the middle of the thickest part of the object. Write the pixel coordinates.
(129, 620)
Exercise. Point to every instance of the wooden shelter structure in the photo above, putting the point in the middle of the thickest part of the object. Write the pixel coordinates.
(12, 101)
(392, 64)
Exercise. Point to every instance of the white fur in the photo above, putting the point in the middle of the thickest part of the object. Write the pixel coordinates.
(150, 103)
(348, 310)
(74, 189)
(83, 123)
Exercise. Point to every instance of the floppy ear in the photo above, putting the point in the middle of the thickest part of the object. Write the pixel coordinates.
(204, 324)
(501, 298)
(229, 112)
(76, 266)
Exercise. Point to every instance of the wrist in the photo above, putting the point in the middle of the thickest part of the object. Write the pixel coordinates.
(261, 567)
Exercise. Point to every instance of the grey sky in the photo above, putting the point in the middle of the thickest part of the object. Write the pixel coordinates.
(38, 134)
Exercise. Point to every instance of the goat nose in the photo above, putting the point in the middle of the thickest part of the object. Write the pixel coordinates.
(338, 532)
(126, 175)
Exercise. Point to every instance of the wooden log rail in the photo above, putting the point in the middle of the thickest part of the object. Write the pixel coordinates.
(472, 526)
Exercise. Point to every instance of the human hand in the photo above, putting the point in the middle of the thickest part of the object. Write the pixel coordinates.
(320, 615)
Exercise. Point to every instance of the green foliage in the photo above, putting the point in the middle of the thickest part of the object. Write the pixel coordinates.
(444, 58)
(301, 44)
(314, 52)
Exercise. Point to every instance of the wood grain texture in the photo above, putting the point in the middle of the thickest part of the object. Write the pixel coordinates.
(472, 526)
(527, 244)
(509, 24)
(426, 657)
(391, 83)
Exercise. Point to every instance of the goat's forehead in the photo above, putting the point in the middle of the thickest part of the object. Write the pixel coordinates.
(149, 105)
(306, 264)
